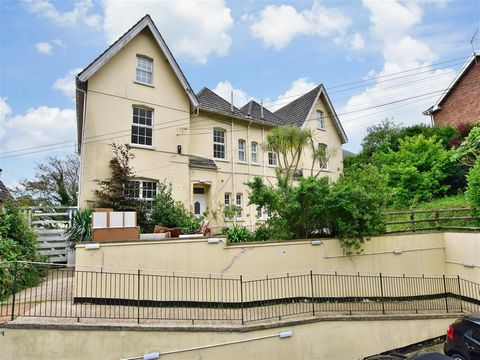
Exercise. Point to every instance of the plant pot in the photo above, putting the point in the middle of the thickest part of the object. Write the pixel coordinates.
(71, 257)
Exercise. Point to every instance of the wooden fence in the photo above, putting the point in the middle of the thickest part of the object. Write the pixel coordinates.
(50, 224)
(437, 219)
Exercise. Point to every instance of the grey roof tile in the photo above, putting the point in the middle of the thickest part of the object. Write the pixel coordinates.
(254, 110)
(296, 112)
(210, 101)
(201, 162)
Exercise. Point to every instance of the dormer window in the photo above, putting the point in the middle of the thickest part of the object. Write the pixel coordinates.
(144, 70)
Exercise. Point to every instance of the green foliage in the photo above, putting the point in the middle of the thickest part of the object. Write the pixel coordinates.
(469, 151)
(355, 205)
(237, 234)
(55, 183)
(381, 135)
(18, 242)
(80, 230)
(114, 191)
(473, 189)
(166, 212)
(350, 208)
(288, 142)
(416, 171)
(263, 233)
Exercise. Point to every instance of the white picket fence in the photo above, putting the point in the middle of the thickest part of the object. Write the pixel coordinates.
(50, 224)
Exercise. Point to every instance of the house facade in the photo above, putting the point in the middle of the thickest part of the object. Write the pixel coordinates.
(135, 93)
(460, 103)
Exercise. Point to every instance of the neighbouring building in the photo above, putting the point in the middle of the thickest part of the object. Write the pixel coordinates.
(460, 103)
(4, 193)
(135, 93)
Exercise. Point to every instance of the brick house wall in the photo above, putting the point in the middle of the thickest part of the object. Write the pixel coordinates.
(462, 104)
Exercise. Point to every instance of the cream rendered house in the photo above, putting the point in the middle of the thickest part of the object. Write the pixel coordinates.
(135, 93)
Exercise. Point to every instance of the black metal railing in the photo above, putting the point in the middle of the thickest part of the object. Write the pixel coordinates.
(61, 292)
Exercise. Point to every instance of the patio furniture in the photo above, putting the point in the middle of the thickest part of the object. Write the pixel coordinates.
(204, 230)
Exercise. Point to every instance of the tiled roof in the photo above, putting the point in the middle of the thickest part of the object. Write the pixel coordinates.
(210, 101)
(3, 192)
(254, 110)
(201, 162)
(296, 112)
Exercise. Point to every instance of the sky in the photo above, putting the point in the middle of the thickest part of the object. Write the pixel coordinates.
(378, 59)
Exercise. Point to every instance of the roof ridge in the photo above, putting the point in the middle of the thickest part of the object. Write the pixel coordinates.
(301, 97)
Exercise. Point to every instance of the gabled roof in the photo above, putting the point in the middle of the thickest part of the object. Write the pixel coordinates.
(253, 110)
(297, 111)
(471, 60)
(145, 22)
(210, 101)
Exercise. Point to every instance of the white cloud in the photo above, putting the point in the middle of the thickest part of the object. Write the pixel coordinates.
(297, 89)
(225, 88)
(357, 42)
(278, 25)
(67, 83)
(193, 29)
(79, 13)
(39, 126)
(391, 22)
(44, 48)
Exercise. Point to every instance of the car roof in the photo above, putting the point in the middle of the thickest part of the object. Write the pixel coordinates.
(429, 356)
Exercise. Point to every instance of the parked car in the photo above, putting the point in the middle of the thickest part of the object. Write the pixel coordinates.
(463, 338)
(422, 356)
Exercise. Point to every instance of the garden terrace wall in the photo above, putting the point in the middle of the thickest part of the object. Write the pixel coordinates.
(420, 254)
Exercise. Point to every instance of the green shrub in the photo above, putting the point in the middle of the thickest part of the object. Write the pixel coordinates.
(262, 233)
(416, 172)
(238, 234)
(350, 209)
(355, 205)
(80, 231)
(473, 189)
(18, 242)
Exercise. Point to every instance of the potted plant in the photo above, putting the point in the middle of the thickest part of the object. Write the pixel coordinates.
(79, 231)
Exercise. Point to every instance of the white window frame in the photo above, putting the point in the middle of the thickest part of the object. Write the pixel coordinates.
(254, 152)
(320, 120)
(139, 126)
(221, 144)
(141, 69)
(324, 165)
(259, 212)
(227, 201)
(142, 187)
(272, 156)
(242, 144)
(239, 205)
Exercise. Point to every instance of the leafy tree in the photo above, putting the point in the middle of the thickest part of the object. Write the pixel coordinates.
(469, 151)
(56, 182)
(115, 191)
(417, 170)
(355, 205)
(383, 134)
(350, 208)
(473, 189)
(288, 142)
(18, 242)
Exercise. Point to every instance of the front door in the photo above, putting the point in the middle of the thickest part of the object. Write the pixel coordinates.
(198, 201)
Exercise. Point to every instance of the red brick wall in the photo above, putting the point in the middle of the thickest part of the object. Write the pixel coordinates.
(463, 102)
